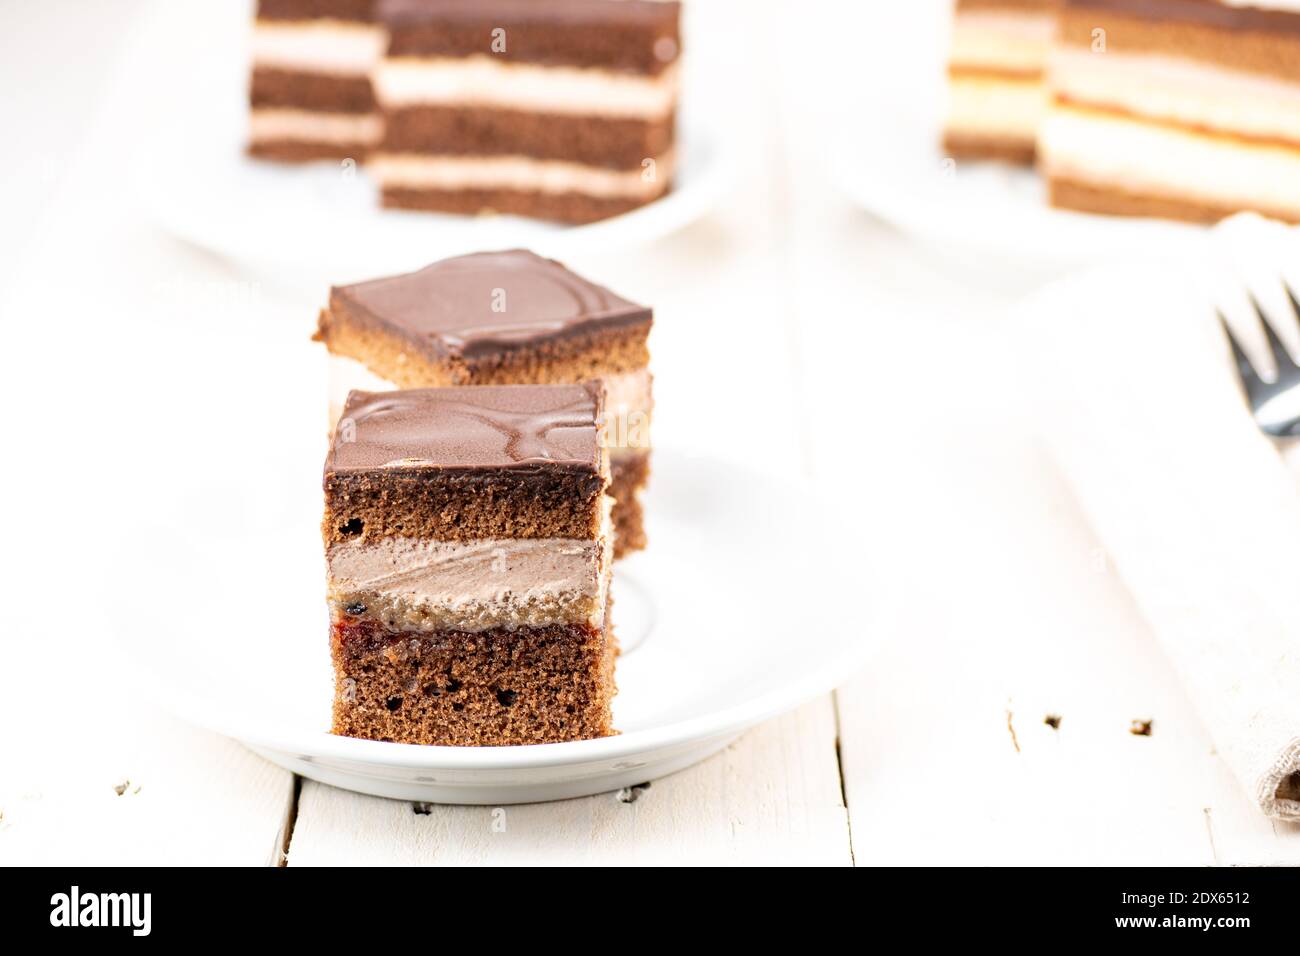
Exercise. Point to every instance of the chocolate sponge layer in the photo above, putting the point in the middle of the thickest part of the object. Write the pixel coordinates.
(462, 506)
(607, 142)
(631, 36)
(491, 688)
(315, 92)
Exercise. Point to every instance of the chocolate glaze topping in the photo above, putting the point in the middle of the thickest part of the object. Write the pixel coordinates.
(470, 428)
(565, 12)
(487, 302)
(298, 10)
(1211, 13)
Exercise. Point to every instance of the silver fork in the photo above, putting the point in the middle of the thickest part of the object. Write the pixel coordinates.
(1275, 404)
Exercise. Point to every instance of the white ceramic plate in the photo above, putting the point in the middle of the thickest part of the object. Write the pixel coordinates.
(733, 615)
(887, 158)
(199, 185)
(195, 179)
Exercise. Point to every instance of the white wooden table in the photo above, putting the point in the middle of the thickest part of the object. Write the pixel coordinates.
(839, 348)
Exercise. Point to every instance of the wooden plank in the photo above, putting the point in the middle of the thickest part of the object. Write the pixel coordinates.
(997, 607)
(996, 621)
(106, 779)
(772, 797)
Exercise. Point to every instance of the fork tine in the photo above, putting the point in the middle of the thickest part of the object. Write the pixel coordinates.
(1295, 305)
(1280, 355)
(1244, 368)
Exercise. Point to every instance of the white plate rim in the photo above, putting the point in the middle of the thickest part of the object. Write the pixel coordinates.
(839, 666)
(700, 183)
(323, 745)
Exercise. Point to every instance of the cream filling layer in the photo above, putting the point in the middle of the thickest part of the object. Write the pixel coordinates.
(313, 127)
(628, 407)
(1126, 154)
(995, 107)
(415, 584)
(1001, 40)
(1182, 91)
(628, 399)
(411, 171)
(334, 47)
(486, 81)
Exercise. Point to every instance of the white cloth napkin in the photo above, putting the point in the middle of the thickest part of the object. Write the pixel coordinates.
(1198, 510)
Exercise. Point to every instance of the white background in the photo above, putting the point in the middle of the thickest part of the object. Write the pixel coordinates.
(793, 333)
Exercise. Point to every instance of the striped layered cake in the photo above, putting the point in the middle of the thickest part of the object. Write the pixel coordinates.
(559, 110)
(1186, 109)
(995, 78)
(310, 92)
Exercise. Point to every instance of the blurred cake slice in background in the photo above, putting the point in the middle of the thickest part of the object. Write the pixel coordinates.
(559, 110)
(310, 93)
(1183, 109)
(995, 78)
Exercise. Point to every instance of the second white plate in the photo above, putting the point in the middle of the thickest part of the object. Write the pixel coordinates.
(199, 185)
(887, 158)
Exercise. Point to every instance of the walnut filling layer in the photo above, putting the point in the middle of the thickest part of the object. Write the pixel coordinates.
(411, 584)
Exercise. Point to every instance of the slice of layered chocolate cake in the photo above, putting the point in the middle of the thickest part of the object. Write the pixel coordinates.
(467, 540)
(310, 91)
(503, 318)
(561, 110)
(995, 78)
(1185, 109)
